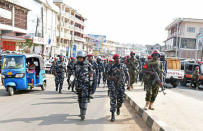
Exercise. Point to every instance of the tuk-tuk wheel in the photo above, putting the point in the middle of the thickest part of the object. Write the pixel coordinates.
(10, 91)
(43, 86)
(184, 82)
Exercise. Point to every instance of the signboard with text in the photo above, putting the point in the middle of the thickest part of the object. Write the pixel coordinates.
(98, 39)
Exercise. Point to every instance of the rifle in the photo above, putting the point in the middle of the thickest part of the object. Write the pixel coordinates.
(157, 79)
(118, 76)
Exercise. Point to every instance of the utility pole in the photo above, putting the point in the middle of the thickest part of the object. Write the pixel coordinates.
(177, 29)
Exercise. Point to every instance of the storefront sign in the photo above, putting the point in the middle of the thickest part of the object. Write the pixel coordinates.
(5, 13)
(38, 40)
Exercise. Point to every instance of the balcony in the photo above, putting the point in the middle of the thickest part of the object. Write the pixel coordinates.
(77, 38)
(67, 36)
(79, 30)
(79, 21)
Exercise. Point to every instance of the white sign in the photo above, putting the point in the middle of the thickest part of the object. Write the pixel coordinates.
(38, 40)
(5, 13)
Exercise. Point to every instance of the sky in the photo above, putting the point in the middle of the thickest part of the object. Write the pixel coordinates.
(135, 21)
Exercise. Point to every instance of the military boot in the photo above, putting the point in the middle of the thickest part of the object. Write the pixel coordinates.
(82, 114)
(112, 117)
(118, 111)
(146, 105)
(151, 106)
(128, 88)
(131, 87)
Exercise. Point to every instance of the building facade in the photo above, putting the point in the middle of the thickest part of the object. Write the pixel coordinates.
(70, 29)
(13, 23)
(182, 38)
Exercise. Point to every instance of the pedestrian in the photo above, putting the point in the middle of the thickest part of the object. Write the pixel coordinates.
(152, 89)
(117, 75)
(70, 70)
(101, 69)
(59, 72)
(94, 83)
(83, 73)
(195, 78)
(133, 69)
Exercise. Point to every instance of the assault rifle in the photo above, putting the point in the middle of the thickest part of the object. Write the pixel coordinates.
(158, 80)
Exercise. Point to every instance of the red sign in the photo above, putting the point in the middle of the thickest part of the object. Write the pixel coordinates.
(8, 45)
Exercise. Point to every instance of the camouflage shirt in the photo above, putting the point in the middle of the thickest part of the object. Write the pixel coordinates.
(120, 76)
(60, 67)
(82, 71)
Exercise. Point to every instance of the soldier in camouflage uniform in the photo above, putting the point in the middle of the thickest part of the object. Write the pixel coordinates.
(107, 71)
(104, 71)
(83, 73)
(95, 69)
(70, 70)
(146, 76)
(152, 90)
(195, 78)
(132, 67)
(101, 69)
(117, 75)
(59, 72)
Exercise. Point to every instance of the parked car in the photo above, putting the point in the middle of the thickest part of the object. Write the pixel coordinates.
(175, 73)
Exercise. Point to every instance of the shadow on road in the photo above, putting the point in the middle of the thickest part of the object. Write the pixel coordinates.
(135, 116)
(58, 98)
(54, 103)
(63, 119)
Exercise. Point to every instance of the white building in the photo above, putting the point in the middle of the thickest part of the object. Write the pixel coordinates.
(70, 29)
(182, 38)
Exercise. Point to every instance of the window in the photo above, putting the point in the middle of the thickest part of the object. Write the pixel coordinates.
(188, 43)
(201, 30)
(191, 29)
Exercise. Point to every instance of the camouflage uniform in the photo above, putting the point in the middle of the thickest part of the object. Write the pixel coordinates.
(146, 76)
(117, 86)
(195, 79)
(132, 67)
(101, 69)
(107, 70)
(59, 68)
(104, 72)
(82, 78)
(70, 68)
(152, 90)
(94, 83)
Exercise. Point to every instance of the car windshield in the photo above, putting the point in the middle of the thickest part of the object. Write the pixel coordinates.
(13, 62)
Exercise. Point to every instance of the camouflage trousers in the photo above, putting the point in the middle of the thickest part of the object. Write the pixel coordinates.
(82, 92)
(151, 92)
(59, 81)
(195, 82)
(133, 76)
(117, 95)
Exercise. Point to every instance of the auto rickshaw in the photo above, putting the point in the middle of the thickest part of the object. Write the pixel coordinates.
(189, 69)
(16, 73)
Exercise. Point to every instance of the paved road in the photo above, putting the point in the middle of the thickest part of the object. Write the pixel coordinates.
(197, 94)
(49, 111)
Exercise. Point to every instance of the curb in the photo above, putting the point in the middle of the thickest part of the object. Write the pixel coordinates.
(151, 121)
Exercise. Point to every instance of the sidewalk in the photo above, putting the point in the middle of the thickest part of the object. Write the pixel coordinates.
(173, 110)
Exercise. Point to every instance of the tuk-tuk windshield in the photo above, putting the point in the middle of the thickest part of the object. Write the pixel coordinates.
(201, 68)
(13, 62)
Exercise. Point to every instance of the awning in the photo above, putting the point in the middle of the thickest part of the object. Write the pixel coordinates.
(12, 38)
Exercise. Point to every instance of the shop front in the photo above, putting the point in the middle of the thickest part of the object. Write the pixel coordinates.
(9, 43)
